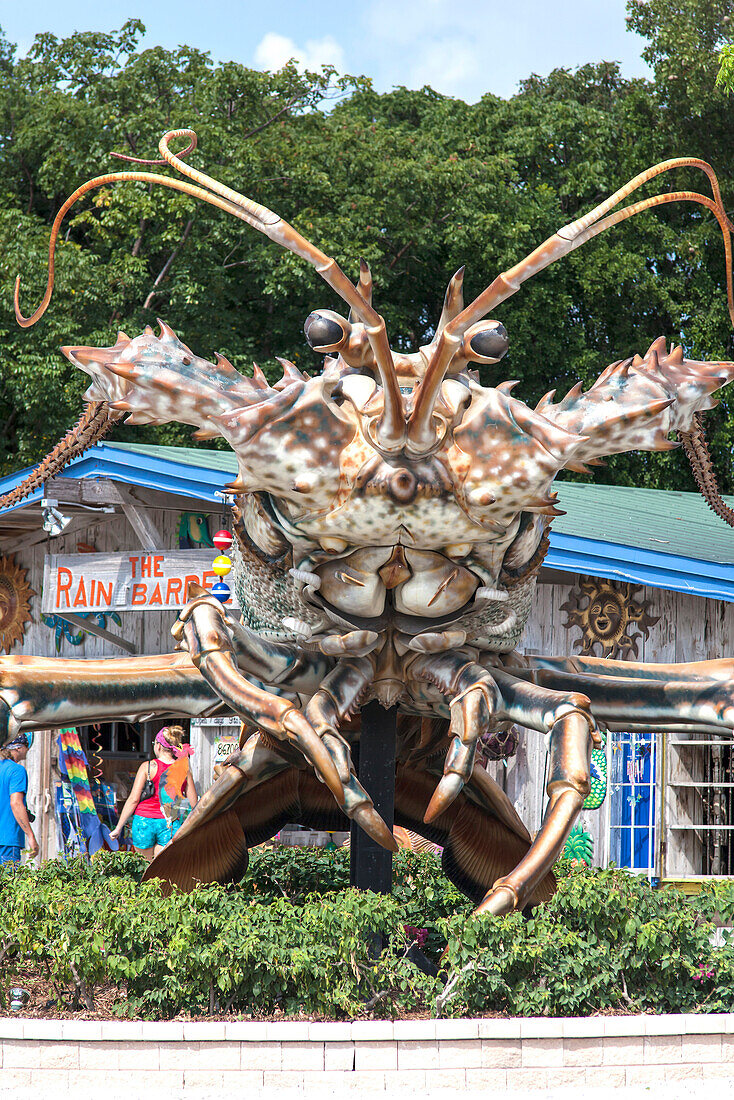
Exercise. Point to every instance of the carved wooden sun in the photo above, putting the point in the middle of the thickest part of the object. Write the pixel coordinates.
(15, 596)
(610, 610)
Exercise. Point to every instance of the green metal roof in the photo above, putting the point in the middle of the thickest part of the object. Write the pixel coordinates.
(659, 520)
(202, 457)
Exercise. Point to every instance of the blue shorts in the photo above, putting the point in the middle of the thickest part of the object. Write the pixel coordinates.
(9, 853)
(146, 832)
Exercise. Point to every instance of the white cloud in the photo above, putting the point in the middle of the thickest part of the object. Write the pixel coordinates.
(487, 45)
(275, 50)
(450, 66)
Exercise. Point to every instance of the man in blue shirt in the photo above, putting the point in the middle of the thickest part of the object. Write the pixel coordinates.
(14, 820)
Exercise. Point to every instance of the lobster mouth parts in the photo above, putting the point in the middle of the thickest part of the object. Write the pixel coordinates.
(404, 624)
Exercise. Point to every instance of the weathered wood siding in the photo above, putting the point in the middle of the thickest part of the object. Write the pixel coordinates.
(149, 631)
(690, 628)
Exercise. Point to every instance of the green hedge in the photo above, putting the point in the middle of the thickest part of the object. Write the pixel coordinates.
(294, 939)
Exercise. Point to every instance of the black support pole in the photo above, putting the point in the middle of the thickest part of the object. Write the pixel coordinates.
(370, 865)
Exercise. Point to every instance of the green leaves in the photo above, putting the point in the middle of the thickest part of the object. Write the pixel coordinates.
(286, 941)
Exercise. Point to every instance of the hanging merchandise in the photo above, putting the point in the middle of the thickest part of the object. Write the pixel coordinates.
(598, 791)
(91, 833)
(579, 846)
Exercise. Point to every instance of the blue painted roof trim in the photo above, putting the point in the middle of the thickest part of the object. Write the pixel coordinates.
(568, 553)
(573, 554)
(106, 460)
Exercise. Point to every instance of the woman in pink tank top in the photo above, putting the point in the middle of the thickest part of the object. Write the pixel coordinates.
(151, 829)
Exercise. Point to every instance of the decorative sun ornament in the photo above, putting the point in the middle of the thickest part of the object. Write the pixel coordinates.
(15, 596)
(605, 612)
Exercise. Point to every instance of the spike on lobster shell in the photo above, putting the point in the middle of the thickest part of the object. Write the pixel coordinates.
(167, 332)
(545, 401)
(258, 378)
(291, 374)
(224, 365)
(659, 347)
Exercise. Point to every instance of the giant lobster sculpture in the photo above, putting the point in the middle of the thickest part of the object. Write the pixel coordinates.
(392, 515)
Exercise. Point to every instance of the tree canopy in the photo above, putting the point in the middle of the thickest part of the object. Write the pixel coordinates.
(415, 182)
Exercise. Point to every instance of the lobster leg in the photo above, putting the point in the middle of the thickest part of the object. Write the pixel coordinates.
(474, 700)
(335, 700)
(572, 732)
(698, 696)
(476, 695)
(202, 630)
(721, 670)
(49, 692)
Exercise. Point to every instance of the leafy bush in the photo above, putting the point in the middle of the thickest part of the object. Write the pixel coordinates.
(607, 940)
(294, 939)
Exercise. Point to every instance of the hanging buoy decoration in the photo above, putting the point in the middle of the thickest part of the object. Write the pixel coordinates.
(221, 591)
(222, 540)
(222, 565)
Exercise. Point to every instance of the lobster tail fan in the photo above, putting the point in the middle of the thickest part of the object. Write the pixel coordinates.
(215, 852)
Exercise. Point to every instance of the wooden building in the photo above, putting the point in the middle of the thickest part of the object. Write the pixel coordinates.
(134, 520)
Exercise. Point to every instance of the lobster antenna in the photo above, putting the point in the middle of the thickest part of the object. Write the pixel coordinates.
(421, 430)
(389, 430)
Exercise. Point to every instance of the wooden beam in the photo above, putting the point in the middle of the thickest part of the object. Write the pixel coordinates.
(99, 632)
(141, 523)
(101, 491)
(75, 490)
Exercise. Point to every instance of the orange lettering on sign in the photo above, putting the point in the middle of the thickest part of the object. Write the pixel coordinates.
(188, 579)
(103, 594)
(63, 586)
(156, 597)
(81, 594)
(157, 571)
(209, 578)
(140, 592)
(145, 567)
(133, 563)
(173, 590)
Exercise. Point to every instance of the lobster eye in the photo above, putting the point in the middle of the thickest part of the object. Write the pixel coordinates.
(325, 330)
(489, 343)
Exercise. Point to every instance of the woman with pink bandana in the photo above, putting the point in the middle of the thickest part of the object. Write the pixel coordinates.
(151, 829)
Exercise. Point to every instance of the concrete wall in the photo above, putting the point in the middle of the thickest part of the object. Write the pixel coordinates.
(481, 1056)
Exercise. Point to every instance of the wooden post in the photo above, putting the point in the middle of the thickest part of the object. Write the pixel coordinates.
(370, 865)
(46, 814)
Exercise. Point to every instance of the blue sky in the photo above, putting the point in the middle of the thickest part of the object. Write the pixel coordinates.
(460, 49)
